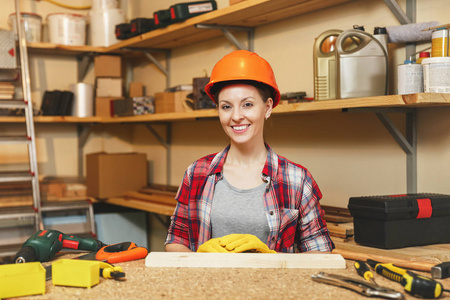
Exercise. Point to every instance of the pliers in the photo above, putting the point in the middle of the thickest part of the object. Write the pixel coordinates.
(362, 287)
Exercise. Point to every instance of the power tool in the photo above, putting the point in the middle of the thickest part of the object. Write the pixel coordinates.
(44, 244)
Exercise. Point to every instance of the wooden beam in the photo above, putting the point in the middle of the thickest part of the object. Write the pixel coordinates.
(245, 260)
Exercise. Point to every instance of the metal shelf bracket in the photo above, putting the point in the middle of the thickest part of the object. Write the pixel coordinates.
(147, 52)
(407, 141)
(84, 130)
(166, 143)
(83, 63)
(226, 30)
(408, 18)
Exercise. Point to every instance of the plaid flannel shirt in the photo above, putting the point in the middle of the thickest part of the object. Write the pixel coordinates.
(291, 200)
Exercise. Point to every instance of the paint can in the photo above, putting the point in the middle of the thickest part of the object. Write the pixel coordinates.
(436, 74)
(32, 24)
(67, 29)
(439, 43)
(410, 78)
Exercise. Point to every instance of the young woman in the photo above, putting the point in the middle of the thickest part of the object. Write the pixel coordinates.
(246, 198)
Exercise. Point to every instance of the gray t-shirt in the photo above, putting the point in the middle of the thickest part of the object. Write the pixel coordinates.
(239, 211)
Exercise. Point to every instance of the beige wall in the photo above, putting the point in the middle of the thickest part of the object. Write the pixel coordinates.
(349, 154)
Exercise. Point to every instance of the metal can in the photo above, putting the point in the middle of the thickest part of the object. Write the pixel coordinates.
(439, 43)
(410, 78)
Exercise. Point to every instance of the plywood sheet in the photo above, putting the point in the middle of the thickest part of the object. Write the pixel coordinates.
(244, 260)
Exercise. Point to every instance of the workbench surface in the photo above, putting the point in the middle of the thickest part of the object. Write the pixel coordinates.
(210, 283)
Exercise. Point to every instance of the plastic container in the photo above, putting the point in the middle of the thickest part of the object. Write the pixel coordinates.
(17, 280)
(67, 29)
(83, 104)
(436, 75)
(103, 26)
(439, 43)
(410, 78)
(325, 65)
(361, 64)
(74, 272)
(397, 221)
(32, 25)
(104, 4)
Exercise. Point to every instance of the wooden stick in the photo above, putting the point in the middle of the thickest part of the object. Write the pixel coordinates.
(438, 26)
(244, 260)
(403, 263)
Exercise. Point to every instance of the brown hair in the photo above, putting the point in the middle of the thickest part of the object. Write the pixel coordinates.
(264, 90)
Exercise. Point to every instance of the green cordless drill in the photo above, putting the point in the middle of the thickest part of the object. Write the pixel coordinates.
(44, 244)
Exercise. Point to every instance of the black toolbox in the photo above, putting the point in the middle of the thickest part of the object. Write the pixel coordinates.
(396, 221)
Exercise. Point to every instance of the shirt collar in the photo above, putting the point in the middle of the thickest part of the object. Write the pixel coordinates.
(268, 172)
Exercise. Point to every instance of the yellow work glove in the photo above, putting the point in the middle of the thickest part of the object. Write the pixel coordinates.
(213, 245)
(244, 243)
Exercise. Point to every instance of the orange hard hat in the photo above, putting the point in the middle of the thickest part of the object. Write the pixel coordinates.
(243, 65)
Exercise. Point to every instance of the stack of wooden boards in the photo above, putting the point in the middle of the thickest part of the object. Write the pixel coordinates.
(339, 223)
(52, 189)
(6, 91)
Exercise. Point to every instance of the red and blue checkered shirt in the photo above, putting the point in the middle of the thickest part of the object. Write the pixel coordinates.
(291, 200)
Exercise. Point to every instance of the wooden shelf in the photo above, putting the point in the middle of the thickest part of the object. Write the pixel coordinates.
(413, 100)
(49, 48)
(250, 13)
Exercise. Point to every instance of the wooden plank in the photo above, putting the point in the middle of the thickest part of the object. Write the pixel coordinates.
(342, 229)
(399, 262)
(244, 260)
(154, 197)
(158, 208)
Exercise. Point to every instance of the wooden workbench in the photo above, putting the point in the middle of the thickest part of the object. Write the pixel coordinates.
(208, 283)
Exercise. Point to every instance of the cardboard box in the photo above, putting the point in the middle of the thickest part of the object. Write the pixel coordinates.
(113, 174)
(136, 89)
(108, 66)
(170, 102)
(103, 106)
(109, 87)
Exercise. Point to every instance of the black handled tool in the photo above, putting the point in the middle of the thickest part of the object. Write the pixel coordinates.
(413, 283)
(363, 270)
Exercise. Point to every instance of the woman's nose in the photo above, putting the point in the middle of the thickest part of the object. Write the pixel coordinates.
(237, 114)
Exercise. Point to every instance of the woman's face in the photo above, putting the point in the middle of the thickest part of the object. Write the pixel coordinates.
(242, 112)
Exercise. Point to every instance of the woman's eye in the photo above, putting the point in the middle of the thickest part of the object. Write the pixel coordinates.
(225, 106)
(248, 104)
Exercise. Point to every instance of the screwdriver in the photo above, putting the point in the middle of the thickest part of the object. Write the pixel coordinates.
(414, 284)
(363, 270)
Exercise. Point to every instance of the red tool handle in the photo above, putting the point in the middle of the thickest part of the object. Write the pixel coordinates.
(121, 252)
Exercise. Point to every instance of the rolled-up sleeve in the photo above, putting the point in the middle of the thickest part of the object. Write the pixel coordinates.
(178, 232)
(314, 234)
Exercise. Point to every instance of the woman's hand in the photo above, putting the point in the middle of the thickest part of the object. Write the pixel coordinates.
(213, 245)
(244, 243)
(235, 243)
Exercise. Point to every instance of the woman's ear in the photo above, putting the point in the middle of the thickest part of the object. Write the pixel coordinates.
(269, 106)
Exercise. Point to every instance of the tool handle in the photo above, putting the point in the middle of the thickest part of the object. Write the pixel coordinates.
(77, 243)
(363, 270)
(121, 252)
(422, 286)
(391, 272)
(413, 283)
